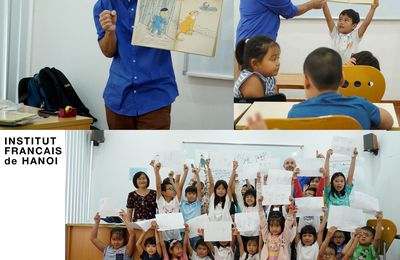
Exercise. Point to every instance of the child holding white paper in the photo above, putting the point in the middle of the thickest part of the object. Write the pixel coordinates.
(345, 35)
(201, 250)
(221, 197)
(308, 242)
(152, 247)
(176, 250)
(328, 250)
(222, 250)
(251, 249)
(118, 248)
(167, 200)
(369, 241)
(337, 190)
(276, 233)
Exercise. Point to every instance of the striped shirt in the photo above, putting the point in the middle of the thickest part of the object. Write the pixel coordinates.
(269, 83)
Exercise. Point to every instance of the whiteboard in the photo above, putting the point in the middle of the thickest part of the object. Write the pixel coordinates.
(222, 155)
(220, 66)
(387, 10)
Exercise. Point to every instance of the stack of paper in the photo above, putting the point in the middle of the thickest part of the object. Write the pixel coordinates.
(15, 118)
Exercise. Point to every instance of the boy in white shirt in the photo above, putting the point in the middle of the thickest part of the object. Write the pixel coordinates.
(344, 35)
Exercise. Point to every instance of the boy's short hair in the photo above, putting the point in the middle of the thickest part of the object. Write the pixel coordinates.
(164, 186)
(324, 68)
(333, 246)
(191, 189)
(150, 241)
(353, 15)
(369, 229)
(314, 190)
(366, 58)
(164, 9)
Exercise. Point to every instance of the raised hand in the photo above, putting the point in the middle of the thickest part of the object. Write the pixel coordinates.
(235, 165)
(108, 20)
(185, 168)
(97, 218)
(332, 230)
(329, 153)
(355, 152)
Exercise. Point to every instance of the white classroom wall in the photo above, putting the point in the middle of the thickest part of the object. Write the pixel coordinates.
(64, 36)
(122, 150)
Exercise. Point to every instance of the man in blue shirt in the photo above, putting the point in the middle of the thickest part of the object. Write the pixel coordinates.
(141, 85)
(323, 76)
(262, 17)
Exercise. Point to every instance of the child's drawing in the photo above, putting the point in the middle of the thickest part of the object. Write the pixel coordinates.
(159, 22)
(207, 7)
(187, 25)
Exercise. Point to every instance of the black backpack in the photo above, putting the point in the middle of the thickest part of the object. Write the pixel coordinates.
(51, 90)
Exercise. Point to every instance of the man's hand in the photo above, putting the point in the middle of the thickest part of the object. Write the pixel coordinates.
(108, 20)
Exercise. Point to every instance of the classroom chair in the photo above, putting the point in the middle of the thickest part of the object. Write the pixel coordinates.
(314, 123)
(389, 232)
(273, 98)
(363, 81)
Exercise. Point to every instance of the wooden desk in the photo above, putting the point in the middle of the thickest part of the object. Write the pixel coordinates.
(290, 81)
(79, 246)
(281, 109)
(239, 109)
(53, 122)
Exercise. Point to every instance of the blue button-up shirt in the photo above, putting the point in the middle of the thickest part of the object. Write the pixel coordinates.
(261, 17)
(141, 79)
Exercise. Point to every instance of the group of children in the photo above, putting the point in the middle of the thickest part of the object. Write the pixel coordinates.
(258, 59)
(278, 226)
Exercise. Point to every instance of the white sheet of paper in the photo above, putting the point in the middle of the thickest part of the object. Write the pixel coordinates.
(281, 177)
(346, 218)
(247, 221)
(309, 206)
(276, 194)
(108, 207)
(218, 231)
(271, 163)
(365, 202)
(170, 221)
(173, 160)
(196, 223)
(310, 166)
(248, 171)
(143, 225)
(343, 145)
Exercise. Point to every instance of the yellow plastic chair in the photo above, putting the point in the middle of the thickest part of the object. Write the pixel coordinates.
(389, 231)
(314, 123)
(363, 81)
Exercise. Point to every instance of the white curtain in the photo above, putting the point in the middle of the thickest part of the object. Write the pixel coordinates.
(15, 45)
(78, 184)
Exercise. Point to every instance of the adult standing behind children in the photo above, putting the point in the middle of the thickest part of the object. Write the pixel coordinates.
(141, 86)
(141, 203)
(344, 35)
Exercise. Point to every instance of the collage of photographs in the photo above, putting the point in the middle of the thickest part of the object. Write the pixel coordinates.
(200, 129)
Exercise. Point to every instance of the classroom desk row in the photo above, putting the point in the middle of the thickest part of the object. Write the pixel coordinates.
(53, 122)
(281, 109)
(79, 246)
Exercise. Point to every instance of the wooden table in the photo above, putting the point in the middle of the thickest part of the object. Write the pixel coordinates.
(53, 122)
(281, 109)
(79, 246)
(290, 81)
(239, 109)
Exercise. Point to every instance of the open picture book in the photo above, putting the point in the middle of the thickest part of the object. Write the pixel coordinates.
(367, 2)
(189, 26)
